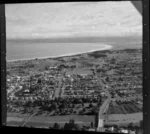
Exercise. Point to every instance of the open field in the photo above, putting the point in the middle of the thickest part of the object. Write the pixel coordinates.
(124, 118)
(46, 121)
(39, 121)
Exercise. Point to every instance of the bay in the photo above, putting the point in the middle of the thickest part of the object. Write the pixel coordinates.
(26, 50)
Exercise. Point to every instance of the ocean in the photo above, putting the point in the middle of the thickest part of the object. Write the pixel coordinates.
(21, 49)
(26, 50)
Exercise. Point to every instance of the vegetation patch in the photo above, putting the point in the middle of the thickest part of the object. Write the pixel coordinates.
(97, 54)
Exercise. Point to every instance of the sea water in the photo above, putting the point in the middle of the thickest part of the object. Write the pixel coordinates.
(31, 50)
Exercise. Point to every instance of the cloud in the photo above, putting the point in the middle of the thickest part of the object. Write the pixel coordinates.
(72, 19)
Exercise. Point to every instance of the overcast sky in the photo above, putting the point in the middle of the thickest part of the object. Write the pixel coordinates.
(56, 20)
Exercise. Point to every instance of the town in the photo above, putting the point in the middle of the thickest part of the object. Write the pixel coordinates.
(100, 84)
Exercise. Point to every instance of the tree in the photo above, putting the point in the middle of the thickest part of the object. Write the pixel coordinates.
(130, 126)
(120, 79)
(39, 81)
(113, 61)
(71, 121)
(90, 105)
(92, 124)
(71, 125)
(96, 119)
(46, 67)
(107, 79)
(115, 128)
(66, 126)
(141, 124)
(56, 126)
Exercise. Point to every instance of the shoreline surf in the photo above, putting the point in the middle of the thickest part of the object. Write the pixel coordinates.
(106, 47)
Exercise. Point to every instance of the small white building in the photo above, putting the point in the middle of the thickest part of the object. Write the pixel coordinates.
(124, 131)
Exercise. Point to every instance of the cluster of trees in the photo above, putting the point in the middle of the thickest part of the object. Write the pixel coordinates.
(97, 54)
(68, 126)
(71, 125)
(61, 106)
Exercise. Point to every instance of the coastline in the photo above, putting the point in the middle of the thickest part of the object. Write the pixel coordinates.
(106, 47)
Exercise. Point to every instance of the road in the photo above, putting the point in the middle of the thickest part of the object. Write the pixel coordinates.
(104, 107)
(59, 89)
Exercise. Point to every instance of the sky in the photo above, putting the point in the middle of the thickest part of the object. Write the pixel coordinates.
(74, 19)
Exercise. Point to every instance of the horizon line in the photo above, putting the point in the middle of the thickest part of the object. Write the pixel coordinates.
(77, 37)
